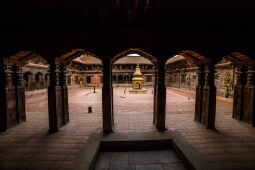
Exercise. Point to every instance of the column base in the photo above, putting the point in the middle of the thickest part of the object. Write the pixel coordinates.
(21, 104)
(113, 130)
(248, 104)
(198, 103)
(65, 108)
(108, 120)
(8, 114)
(209, 107)
(238, 102)
(160, 110)
(55, 108)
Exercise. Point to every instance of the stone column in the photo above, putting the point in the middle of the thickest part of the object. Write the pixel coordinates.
(20, 94)
(8, 116)
(248, 115)
(199, 93)
(209, 97)
(55, 98)
(160, 98)
(64, 92)
(107, 98)
(238, 92)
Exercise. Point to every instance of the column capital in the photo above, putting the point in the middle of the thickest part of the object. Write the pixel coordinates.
(250, 75)
(7, 72)
(107, 73)
(240, 75)
(209, 74)
(200, 75)
(62, 74)
(19, 71)
(54, 73)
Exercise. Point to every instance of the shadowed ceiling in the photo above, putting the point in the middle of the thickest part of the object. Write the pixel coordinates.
(153, 25)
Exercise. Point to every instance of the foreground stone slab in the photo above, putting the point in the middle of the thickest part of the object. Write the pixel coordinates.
(150, 141)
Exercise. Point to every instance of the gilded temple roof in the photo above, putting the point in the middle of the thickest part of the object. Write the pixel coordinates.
(137, 72)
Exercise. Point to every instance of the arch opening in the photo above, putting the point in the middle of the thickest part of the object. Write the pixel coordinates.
(132, 94)
(84, 81)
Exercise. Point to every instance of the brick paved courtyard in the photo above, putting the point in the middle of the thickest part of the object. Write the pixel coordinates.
(30, 146)
(80, 98)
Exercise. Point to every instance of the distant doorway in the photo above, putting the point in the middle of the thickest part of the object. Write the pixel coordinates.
(88, 79)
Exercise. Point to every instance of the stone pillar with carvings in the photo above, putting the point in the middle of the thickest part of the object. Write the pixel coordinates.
(209, 97)
(160, 114)
(55, 98)
(20, 94)
(8, 114)
(199, 93)
(248, 115)
(107, 97)
(238, 92)
(64, 91)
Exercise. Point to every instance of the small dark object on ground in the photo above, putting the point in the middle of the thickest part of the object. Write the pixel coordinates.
(89, 109)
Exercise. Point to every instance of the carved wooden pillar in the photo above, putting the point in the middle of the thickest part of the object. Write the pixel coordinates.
(249, 96)
(209, 97)
(238, 92)
(64, 92)
(55, 98)
(8, 116)
(107, 98)
(199, 93)
(160, 115)
(155, 94)
(20, 94)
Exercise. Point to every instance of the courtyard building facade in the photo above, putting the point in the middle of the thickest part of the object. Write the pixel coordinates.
(66, 68)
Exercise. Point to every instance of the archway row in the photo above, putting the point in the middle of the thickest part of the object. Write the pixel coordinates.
(57, 90)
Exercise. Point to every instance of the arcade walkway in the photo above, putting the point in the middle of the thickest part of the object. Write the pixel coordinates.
(30, 146)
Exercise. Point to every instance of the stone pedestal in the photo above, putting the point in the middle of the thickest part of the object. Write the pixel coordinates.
(107, 98)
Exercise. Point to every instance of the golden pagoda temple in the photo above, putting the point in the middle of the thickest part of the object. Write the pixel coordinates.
(137, 82)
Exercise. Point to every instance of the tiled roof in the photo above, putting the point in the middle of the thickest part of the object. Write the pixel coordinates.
(133, 60)
(88, 60)
(125, 60)
(174, 59)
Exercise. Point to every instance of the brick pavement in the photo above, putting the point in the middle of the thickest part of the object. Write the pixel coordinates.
(81, 98)
(30, 146)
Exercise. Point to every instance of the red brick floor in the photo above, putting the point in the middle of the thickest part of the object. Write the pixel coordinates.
(81, 98)
(30, 146)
